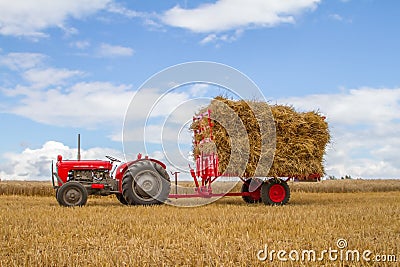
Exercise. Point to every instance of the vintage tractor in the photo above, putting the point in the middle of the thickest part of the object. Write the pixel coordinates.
(143, 181)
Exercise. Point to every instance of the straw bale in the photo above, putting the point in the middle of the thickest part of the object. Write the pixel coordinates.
(255, 139)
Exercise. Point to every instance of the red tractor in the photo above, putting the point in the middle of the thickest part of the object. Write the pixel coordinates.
(143, 181)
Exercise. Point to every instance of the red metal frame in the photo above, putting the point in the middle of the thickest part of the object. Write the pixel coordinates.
(206, 166)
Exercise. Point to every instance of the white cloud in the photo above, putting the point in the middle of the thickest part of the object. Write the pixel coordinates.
(209, 39)
(84, 104)
(198, 89)
(49, 76)
(35, 164)
(167, 114)
(107, 50)
(22, 61)
(80, 44)
(55, 96)
(121, 10)
(175, 107)
(212, 38)
(155, 103)
(340, 18)
(336, 17)
(224, 15)
(31, 18)
(365, 128)
(364, 105)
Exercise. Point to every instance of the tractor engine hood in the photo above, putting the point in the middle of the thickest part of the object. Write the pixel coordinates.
(83, 164)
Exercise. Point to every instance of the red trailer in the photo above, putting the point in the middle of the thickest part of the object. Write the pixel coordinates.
(272, 191)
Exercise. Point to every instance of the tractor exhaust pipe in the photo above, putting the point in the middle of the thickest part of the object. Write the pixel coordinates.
(79, 146)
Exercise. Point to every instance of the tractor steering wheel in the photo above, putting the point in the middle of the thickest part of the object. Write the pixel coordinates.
(113, 159)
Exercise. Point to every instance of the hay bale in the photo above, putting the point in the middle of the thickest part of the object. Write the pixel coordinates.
(246, 133)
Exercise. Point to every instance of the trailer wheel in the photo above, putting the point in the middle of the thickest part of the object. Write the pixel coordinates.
(145, 183)
(72, 194)
(254, 187)
(121, 199)
(275, 192)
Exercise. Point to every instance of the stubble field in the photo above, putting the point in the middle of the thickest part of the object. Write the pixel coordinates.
(36, 231)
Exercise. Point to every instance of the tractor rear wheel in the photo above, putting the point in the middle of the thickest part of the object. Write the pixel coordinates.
(145, 183)
(72, 194)
(254, 187)
(275, 192)
(121, 199)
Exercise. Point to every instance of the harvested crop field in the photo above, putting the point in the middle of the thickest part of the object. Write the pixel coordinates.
(36, 231)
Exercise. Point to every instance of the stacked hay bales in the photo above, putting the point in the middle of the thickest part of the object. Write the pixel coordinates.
(246, 133)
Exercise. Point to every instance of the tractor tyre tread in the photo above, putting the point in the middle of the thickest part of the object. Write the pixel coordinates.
(64, 189)
(245, 188)
(128, 180)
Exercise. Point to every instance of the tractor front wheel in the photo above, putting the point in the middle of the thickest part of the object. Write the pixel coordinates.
(145, 183)
(275, 192)
(72, 194)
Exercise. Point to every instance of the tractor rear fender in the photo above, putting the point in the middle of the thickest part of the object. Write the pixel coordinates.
(119, 173)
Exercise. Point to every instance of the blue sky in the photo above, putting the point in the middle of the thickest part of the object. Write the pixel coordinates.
(69, 67)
